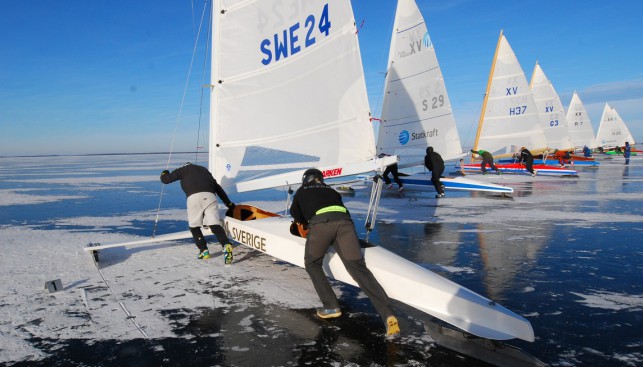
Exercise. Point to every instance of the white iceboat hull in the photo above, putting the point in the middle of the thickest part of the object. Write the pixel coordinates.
(402, 280)
(455, 183)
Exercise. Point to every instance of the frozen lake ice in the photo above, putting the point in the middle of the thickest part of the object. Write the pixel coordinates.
(563, 252)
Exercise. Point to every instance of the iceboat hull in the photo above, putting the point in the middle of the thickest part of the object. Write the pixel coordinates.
(576, 162)
(518, 168)
(455, 183)
(402, 280)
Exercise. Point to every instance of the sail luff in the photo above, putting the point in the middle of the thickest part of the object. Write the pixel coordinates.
(533, 76)
(486, 94)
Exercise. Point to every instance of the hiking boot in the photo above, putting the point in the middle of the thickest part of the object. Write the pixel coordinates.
(329, 313)
(205, 254)
(227, 254)
(534, 174)
(439, 196)
(498, 172)
(401, 189)
(392, 327)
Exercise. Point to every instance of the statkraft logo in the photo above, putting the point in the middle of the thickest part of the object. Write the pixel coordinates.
(404, 137)
(426, 40)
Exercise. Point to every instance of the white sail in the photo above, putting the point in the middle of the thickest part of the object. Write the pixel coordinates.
(288, 92)
(580, 126)
(416, 111)
(552, 113)
(612, 131)
(509, 117)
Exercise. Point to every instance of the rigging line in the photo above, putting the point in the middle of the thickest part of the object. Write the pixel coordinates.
(384, 51)
(178, 118)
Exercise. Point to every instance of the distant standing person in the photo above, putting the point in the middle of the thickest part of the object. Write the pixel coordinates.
(587, 153)
(434, 163)
(200, 187)
(528, 158)
(487, 159)
(392, 169)
(330, 224)
(627, 151)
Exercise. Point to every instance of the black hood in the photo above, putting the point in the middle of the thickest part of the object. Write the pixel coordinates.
(429, 150)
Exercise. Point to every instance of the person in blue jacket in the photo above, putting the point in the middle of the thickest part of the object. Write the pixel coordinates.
(627, 151)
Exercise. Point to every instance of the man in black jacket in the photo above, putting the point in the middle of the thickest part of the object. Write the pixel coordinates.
(433, 162)
(528, 158)
(200, 188)
(322, 208)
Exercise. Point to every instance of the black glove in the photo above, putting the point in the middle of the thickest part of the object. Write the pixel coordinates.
(165, 172)
(230, 205)
(473, 151)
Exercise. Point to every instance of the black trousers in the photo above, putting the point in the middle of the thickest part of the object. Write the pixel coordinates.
(489, 162)
(435, 178)
(200, 241)
(529, 164)
(341, 235)
(392, 169)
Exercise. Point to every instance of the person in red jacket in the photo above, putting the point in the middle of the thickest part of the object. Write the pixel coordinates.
(562, 155)
(200, 187)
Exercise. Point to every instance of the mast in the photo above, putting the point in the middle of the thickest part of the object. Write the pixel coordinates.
(486, 94)
(531, 82)
(215, 17)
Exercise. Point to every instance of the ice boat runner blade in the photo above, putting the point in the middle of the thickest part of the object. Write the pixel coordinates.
(491, 351)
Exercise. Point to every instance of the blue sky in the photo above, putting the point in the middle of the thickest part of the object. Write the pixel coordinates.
(106, 77)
